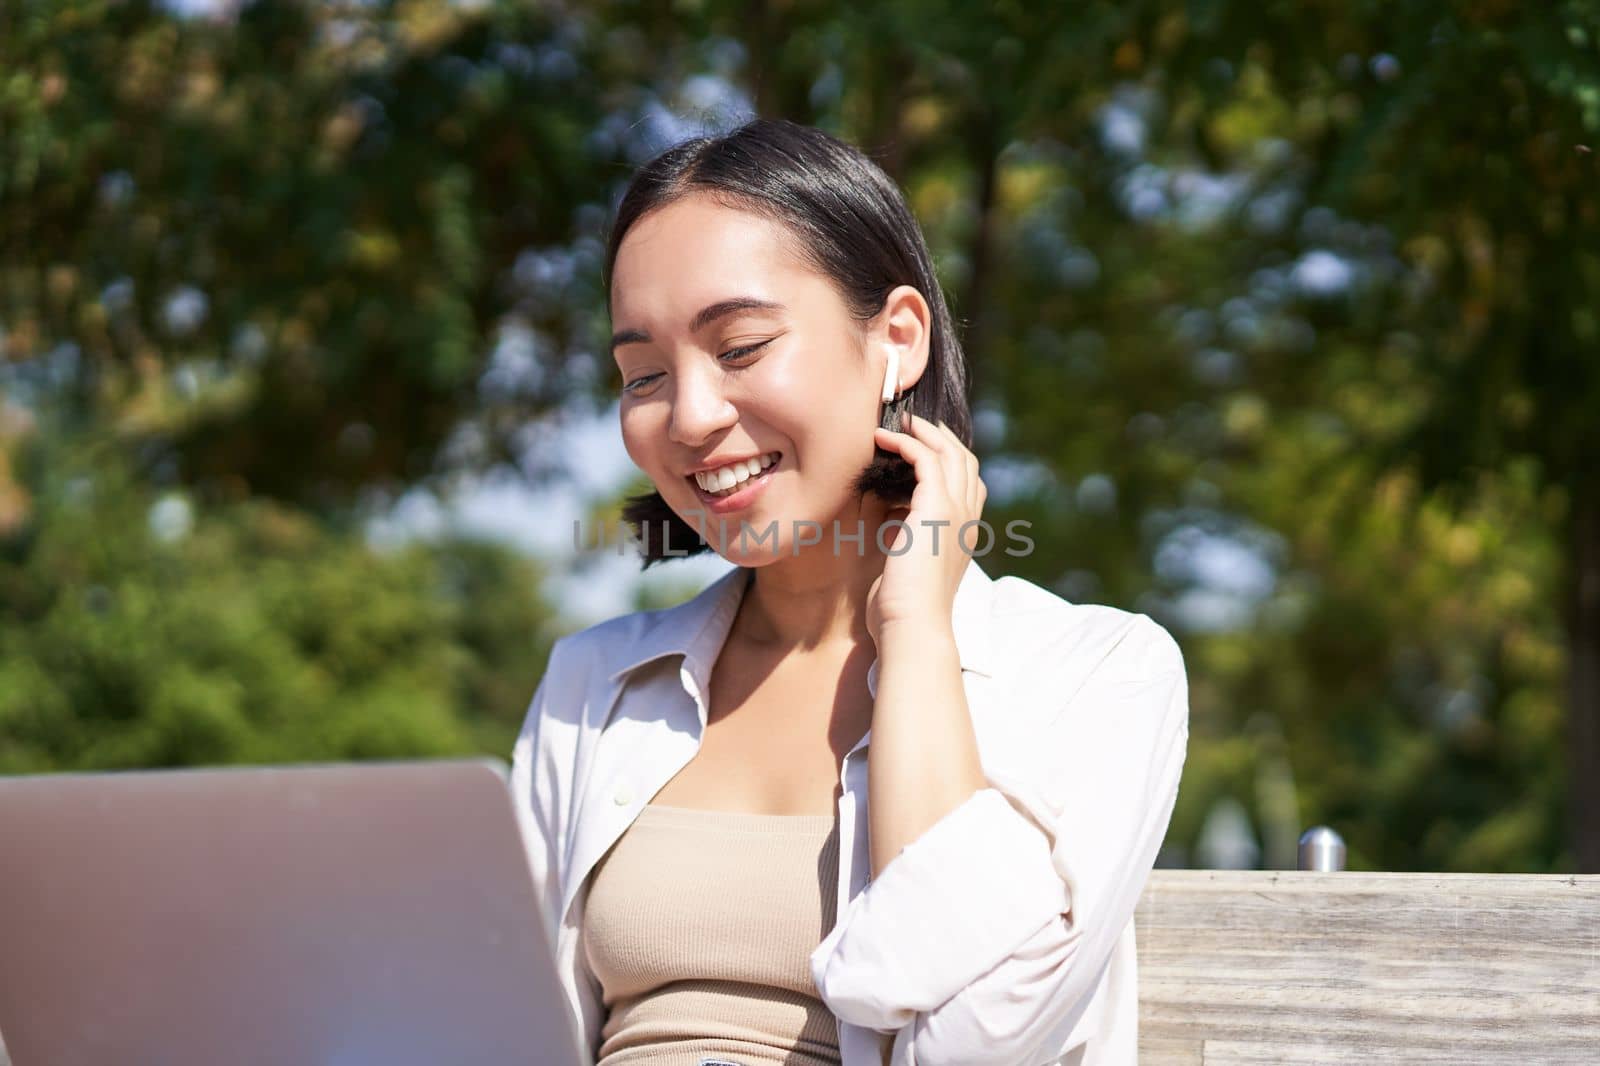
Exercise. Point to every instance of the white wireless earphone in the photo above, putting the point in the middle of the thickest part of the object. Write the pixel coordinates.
(891, 376)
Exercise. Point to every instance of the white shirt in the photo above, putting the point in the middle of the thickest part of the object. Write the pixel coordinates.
(1004, 933)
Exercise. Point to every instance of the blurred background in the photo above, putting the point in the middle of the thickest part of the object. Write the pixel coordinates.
(1283, 321)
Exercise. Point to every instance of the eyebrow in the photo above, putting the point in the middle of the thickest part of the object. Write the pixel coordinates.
(706, 315)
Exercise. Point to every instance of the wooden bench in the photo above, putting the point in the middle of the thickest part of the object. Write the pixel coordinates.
(1257, 967)
(1267, 967)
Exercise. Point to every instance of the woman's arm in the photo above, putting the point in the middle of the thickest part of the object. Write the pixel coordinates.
(985, 939)
(923, 760)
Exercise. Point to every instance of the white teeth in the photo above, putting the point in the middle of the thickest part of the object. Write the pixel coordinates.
(734, 474)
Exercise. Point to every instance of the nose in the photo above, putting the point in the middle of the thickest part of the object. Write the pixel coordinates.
(700, 407)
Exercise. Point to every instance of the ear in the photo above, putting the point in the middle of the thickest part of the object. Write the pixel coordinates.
(906, 324)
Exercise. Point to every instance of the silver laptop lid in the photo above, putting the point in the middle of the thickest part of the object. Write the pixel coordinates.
(325, 914)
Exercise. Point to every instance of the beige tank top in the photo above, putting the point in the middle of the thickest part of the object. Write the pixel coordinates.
(699, 926)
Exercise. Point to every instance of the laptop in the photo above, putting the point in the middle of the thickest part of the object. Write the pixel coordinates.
(310, 915)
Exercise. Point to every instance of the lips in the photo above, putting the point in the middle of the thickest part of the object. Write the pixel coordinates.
(741, 497)
(744, 466)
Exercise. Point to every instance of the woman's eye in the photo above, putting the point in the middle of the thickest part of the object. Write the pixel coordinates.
(732, 354)
(740, 353)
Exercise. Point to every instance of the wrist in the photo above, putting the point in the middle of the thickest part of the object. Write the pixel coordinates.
(918, 636)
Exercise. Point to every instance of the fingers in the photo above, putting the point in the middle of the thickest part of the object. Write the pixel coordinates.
(922, 456)
(960, 465)
(941, 462)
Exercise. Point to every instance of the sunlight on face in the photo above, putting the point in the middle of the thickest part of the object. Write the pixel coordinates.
(730, 346)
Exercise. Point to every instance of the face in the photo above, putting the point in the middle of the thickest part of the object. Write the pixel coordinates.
(730, 347)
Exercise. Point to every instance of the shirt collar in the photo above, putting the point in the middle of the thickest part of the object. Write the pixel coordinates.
(697, 628)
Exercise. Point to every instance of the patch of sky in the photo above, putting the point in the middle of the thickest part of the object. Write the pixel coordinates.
(989, 424)
(1321, 274)
(1216, 570)
(723, 56)
(554, 60)
(516, 362)
(1142, 193)
(117, 296)
(248, 345)
(1096, 494)
(1272, 210)
(465, 447)
(1123, 122)
(1385, 67)
(184, 310)
(1227, 838)
(828, 87)
(1205, 200)
(184, 380)
(1013, 477)
(170, 518)
(341, 32)
(702, 104)
(215, 10)
(542, 276)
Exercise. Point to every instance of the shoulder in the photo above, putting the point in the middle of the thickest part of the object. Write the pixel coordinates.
(601, 648)
(1088, 689)
(1034, 630)
(577, 676)
(605, 649)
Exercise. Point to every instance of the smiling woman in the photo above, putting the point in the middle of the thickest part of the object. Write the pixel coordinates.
(857, 801)
(799, 243)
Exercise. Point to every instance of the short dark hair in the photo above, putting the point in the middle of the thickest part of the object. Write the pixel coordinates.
(853, 225)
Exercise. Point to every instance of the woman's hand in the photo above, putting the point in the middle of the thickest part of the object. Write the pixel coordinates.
(919, 585)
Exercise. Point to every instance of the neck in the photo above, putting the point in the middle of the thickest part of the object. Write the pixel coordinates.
(817, 600)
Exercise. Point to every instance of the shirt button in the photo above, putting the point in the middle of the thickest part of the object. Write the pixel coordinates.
(622, 797)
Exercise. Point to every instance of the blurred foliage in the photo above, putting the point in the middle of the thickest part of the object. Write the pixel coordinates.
(274, 247)
(137, 630)
(1281, 316)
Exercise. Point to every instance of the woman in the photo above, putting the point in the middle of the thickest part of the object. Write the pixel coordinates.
(857, 801)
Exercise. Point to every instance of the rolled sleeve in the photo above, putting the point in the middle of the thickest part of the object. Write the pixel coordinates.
(944, 911)
(533, 797)
(1013, 1015)
(988, 939)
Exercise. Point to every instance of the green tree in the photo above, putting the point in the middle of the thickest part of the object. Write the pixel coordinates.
(1469, 132)
(273, 249)
(138, 629)
(1308, 283)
